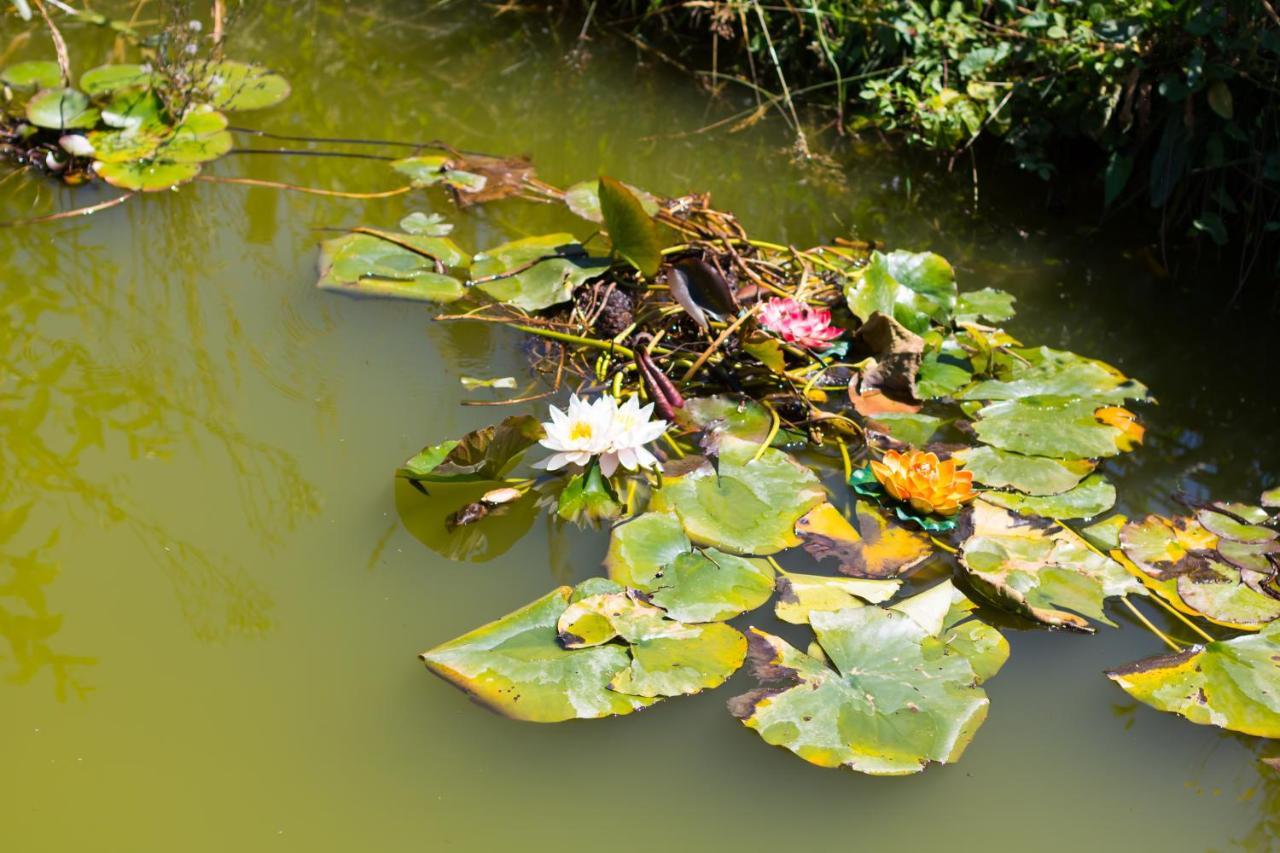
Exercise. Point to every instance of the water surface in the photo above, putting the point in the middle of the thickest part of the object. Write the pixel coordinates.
(210, 611)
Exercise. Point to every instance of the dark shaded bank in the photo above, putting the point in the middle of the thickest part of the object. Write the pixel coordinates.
(1163, 110)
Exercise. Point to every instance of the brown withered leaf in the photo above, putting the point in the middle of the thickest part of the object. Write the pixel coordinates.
(898, 352)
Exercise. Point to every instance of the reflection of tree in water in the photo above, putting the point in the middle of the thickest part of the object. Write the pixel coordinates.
(67, 406)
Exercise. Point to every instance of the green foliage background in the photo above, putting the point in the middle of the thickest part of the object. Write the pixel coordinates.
(1169, 104)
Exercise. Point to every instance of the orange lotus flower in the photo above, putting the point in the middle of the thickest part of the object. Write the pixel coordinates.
(918, 478)
(1131, 431)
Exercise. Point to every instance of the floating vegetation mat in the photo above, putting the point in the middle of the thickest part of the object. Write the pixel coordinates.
(850, 411)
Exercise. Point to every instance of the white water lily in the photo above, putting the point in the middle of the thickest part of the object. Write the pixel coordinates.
(615, 434)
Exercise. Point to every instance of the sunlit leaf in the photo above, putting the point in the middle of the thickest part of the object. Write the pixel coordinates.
(651, 553)
(239, 86)
(583, 198)
(517, 667)
(1035, 475)
(988, 304)
(913, 288)
(1040, 569)
(1047, 426)
(61, 109)
(750, 506)
(147, 176)
(801, 594)
(108, 78)
(893, 698)
(1094, 496)
(1046, 372)
(483, 454)
(391, 265)
(668, 657)
(30, 76)
(536, 272)
(1234, 684)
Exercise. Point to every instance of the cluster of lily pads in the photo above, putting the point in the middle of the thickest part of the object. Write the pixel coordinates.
(842, 410)
(118, 125)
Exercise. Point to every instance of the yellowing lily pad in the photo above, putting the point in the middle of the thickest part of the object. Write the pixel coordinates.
(887, 697)
(800, 595)
(1041, 569)
(1233, 684)
(668, 658)
(1034, 475)
(1092, 497)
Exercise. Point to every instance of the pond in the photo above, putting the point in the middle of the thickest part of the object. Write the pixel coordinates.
(211, 610)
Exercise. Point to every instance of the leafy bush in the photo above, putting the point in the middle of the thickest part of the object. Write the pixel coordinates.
(1174, 99)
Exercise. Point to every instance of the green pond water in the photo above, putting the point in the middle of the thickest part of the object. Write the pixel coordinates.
(210, 610)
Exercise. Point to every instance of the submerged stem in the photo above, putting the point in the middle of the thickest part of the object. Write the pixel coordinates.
(1149, 624)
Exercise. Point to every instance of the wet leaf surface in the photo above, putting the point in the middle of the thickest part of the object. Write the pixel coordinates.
(631, 228)
(1034, 475)
(1092, 497)
(536, 272)
(889, 698)
(1234, 684)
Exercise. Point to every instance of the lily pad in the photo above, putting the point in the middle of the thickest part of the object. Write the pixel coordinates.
(1047, 426)
(893, 699)
(1046, 372)
(123, 146)
(147, 176)
(800, 595)
(651, 553)
(583, 199)
(536, 272)
(1034, 475)
(517, 667)
(941, 376)
(1217, 590)
(749, 505)
(136, 110)
(424, 170)
(31, 76)
(239, 86)
(989, 304)
(726, 414)
(485, 454)
(668, 657)
(1092, 497)
(1233, 684)
(431, 512)
(910, 428)
(913, 288)
(632, 230)
(1040, 569)
(61, 109)
(1225, 527)
(108, 78)
(1160, 547)
(393, 265)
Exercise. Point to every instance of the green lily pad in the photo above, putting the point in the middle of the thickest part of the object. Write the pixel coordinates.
(147, 176)
(911, 428)
(239, 86)
(1045, 372)
(989, 304)
(1233, 684)
(486, 454)
(651, 553)
(517, 667)
(941, 376)
(913, 288)
(423, 171)
(61, 109)
(668, 657)
(1034, 475)
(392, 265)
(536, 272)
(583, 199)
(430, 511)
(136, 110)
(727, 414)
(1226, 527)
(1047, 426)
(31, 76)
(433, 225)
(893, 699)
(108, 78)
(632, 230)
(1105, 534)
(800, 595)
(750, 506)
(1040, 569)
(1092, 497)
(1271, 498)
(985, 648)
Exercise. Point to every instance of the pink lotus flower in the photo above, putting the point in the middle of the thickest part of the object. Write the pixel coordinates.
(797, 323)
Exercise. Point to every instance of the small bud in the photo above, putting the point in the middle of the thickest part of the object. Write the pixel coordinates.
(76, 145)
(494, 497)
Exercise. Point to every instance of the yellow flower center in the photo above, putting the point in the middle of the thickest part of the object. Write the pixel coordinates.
(580, 430)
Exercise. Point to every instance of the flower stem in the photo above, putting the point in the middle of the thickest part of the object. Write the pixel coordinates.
(1149, 624)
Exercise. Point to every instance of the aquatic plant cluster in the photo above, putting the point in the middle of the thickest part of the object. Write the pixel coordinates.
(737, 405)
(146, 126)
